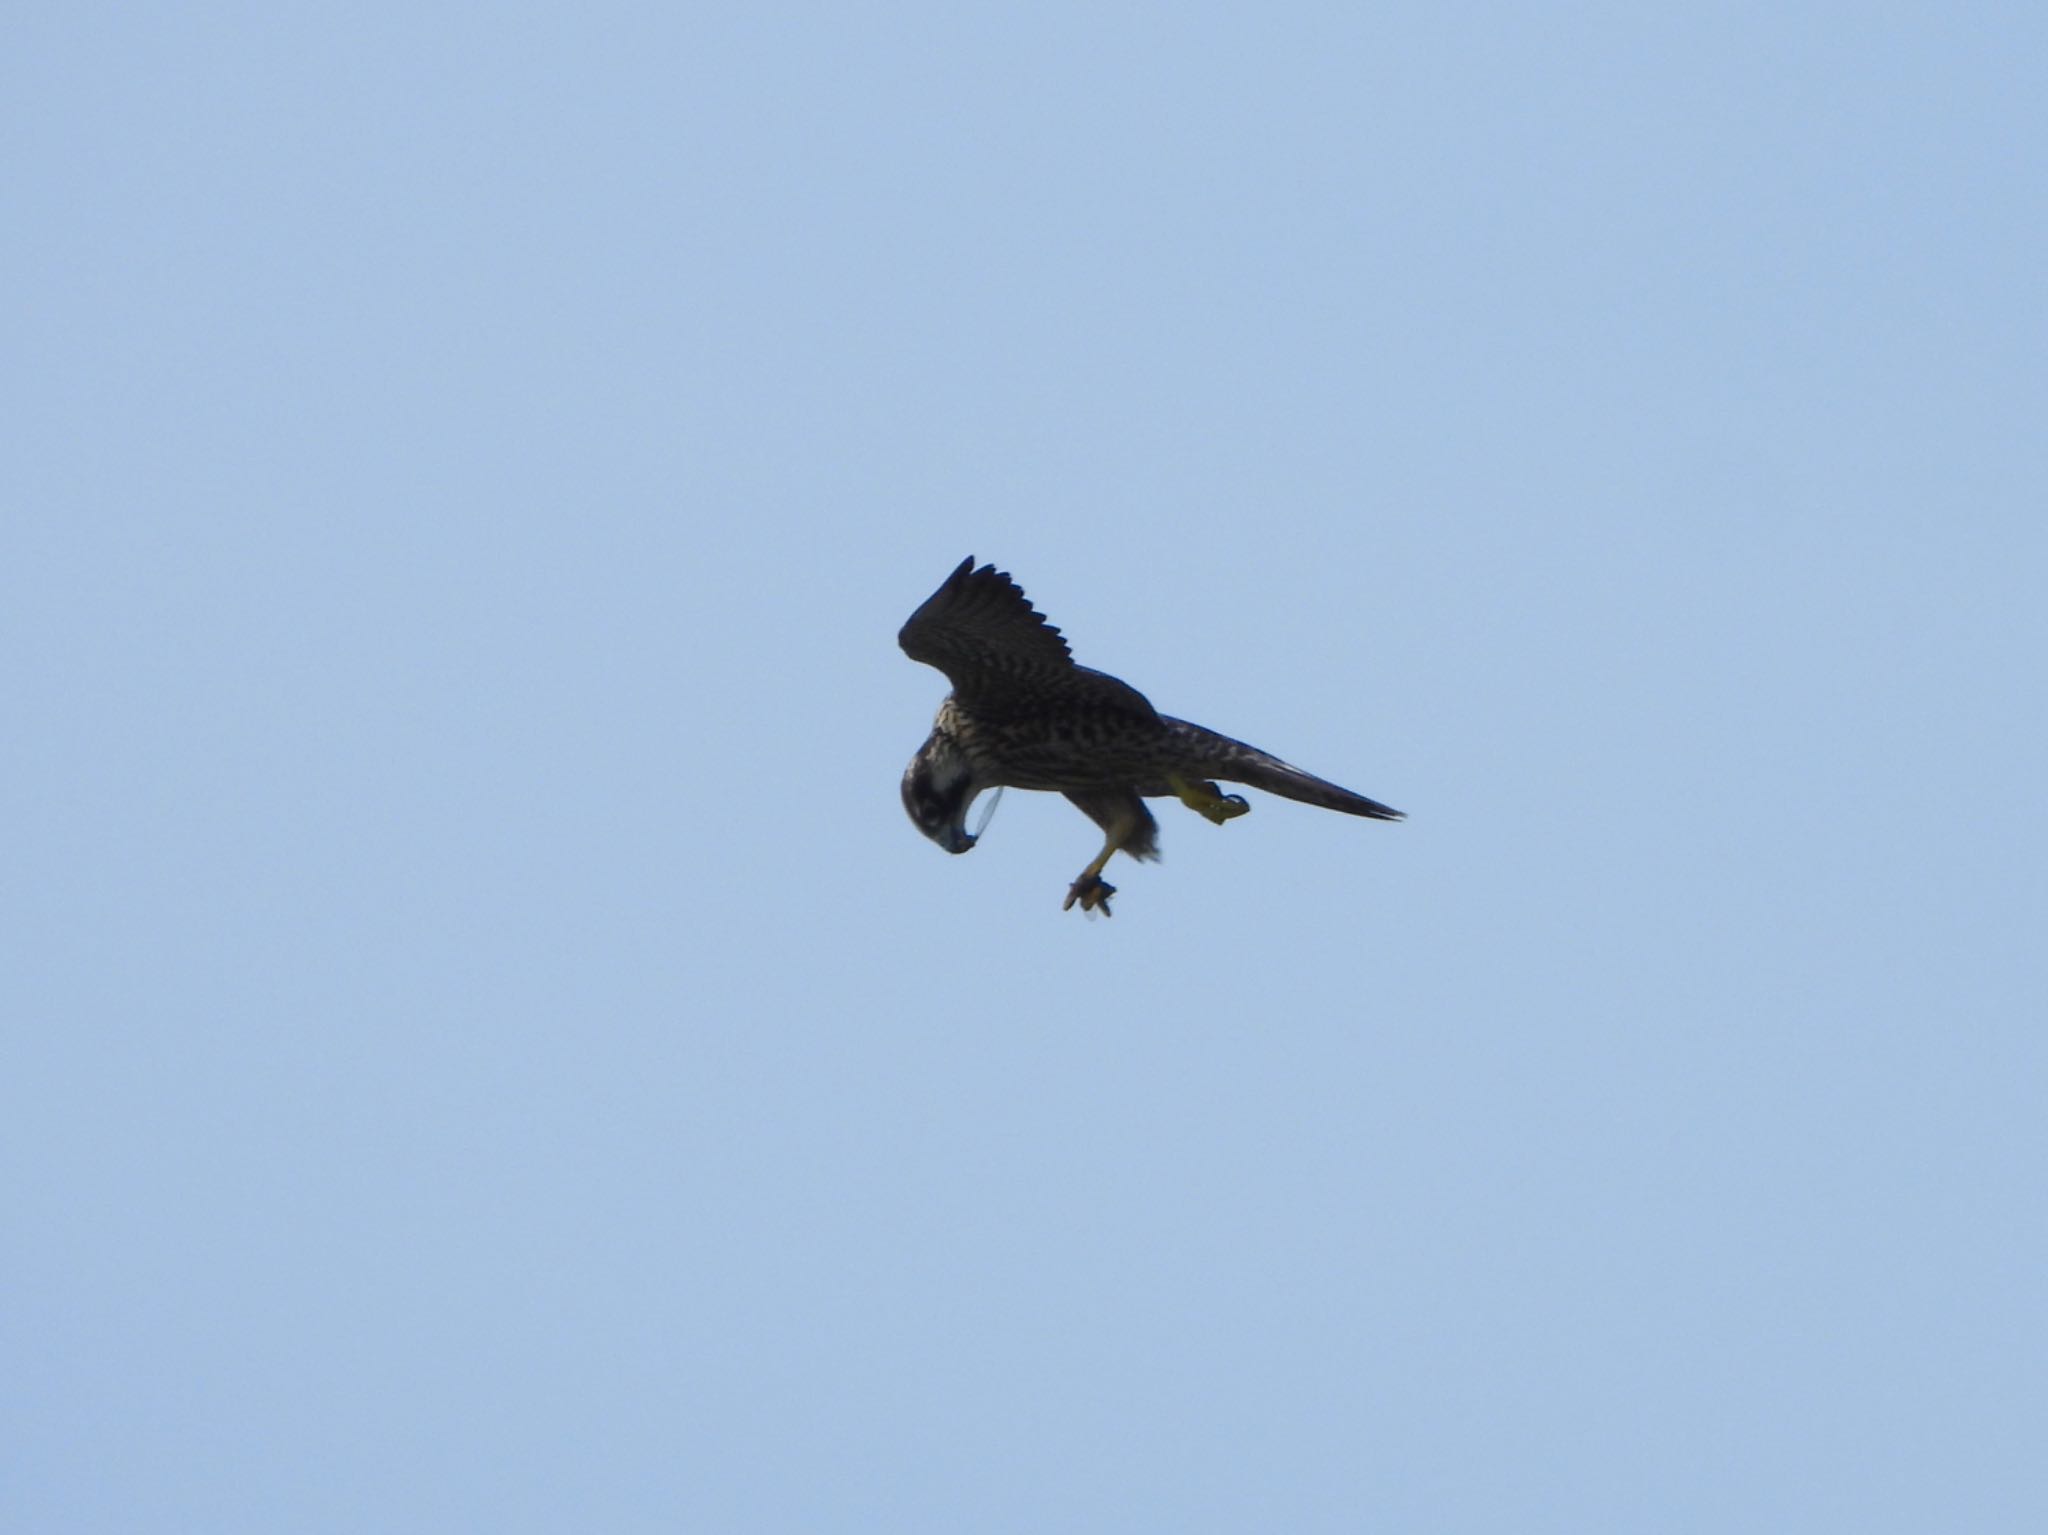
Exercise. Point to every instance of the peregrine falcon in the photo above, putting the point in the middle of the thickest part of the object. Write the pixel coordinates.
(1022, 715)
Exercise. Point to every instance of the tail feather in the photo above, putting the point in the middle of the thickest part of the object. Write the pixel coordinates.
(1235, 762)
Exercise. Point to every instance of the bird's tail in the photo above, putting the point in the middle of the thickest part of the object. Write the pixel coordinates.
(1235, 762)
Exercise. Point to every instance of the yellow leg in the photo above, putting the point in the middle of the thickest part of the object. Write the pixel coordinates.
(1208, 800)
(1090, 889)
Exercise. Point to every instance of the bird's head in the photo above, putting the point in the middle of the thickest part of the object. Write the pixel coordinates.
(938, 786)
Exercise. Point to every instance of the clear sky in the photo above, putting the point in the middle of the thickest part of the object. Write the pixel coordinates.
(484, 1048)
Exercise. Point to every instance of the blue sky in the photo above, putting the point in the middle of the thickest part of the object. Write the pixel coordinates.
(485, 1048)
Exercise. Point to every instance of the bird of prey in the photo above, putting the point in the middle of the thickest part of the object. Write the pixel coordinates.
(1022, 715)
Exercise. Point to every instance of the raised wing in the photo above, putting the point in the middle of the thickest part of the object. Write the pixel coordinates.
(998, 651)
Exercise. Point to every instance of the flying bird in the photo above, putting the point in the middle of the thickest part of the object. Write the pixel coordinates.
(1022, 715)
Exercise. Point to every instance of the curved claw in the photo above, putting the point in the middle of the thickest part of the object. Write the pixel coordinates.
(1219, 808)
(1092, 891)
(1208, 801)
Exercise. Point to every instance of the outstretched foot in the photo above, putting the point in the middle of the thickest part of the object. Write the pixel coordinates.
(1211, 802)
(1092, 891)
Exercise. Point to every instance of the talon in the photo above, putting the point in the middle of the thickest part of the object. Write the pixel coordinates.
(1218, 808)
(1092, 892)
(1208, 801)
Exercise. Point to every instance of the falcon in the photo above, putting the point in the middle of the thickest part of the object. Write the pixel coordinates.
(1022, 715)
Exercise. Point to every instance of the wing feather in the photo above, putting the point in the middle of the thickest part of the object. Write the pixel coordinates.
(998, 651)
